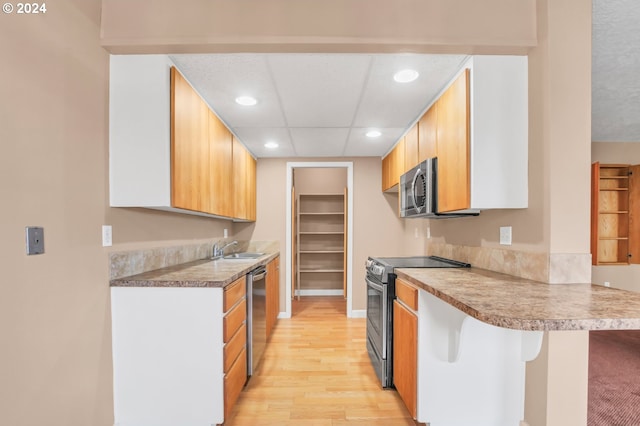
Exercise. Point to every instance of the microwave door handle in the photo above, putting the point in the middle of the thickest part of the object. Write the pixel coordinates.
(413, 190)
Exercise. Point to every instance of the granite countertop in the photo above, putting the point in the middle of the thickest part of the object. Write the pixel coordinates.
(517, 303)
(199, 273)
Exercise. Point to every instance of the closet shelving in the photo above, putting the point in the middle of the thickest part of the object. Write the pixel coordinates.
(321, 242)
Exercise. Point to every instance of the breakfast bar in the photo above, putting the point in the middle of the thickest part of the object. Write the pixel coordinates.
(477, 330)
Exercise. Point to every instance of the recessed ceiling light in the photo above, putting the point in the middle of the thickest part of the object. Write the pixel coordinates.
(373, 133)
(246, 100)
(271, 145)
(405, 76)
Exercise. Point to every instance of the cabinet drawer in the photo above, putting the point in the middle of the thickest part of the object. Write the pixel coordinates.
(234, 292)
(234, 347)
(234, 319)
(234, 382)
(407, 293)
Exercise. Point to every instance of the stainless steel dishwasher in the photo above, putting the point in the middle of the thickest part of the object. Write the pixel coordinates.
(256, 317)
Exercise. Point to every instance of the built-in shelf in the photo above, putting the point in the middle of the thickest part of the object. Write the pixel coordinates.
(320, 242)
(613, 200)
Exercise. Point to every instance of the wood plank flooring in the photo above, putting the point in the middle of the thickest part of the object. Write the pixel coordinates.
(316, 371)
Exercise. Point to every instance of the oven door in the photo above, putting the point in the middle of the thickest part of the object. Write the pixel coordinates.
(378, 331)
(377, 316)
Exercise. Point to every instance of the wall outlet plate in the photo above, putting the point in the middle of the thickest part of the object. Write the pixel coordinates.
(505, 235)
(35, 240)
(107, 236)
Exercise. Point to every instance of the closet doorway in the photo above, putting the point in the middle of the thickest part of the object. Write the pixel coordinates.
(319, 231)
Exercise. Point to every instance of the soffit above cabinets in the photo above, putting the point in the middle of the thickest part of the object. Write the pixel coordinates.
(318, 105)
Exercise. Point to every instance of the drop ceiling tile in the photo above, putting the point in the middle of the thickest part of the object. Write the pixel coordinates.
(386, 103)
(318, 90)
(359, 145)
(255, 138)
(221, 78)
(319, 142)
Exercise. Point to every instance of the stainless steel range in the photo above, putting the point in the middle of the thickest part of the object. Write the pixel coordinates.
(380, 280)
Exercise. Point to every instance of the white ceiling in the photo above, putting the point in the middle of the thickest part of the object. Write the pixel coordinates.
(615, 78)
(318, 105)
(321, 105)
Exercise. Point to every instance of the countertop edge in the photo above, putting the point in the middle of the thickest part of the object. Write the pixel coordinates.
(244, 267)
(525, 324)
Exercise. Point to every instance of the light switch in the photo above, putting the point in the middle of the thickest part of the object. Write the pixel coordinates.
(35, 240)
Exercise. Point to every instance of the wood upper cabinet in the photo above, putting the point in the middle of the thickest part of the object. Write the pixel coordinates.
(405, 348)
(615, 210)
(244, 183)
(427, 135)
(167, 149)
(478, 131)
(411, 149)
(454, 186)
(393, 167)
(190, 170)
(221, 162)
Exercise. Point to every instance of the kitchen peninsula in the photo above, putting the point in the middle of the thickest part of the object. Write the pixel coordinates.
(478, 328)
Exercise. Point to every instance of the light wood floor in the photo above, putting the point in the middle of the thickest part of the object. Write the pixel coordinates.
(316, 371)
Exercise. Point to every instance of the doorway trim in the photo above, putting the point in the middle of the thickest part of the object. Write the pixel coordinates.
(289, 255)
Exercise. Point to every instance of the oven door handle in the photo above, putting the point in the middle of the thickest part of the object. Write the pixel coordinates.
(376, 286)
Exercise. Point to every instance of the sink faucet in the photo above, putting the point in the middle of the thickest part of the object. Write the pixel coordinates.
(219, 251)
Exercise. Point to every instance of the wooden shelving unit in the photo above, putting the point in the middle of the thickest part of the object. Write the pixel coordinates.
(320, 242)
(612, 200)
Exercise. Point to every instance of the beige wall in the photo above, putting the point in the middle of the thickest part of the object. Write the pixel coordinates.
(320, 180)
(626, 277)
(54, 311)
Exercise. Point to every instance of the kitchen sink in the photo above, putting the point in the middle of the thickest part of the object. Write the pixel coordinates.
(245, 255)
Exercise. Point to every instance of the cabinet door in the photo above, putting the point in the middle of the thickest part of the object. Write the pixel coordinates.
(273, 294)
(411, 155)
(454, 192)
(221, 155)
(405, 354)
(240, 196)
(427, 135)
(190, 169)
(251, 187)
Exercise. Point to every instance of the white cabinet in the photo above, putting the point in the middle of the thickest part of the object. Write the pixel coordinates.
(140, 131)
(499, 132)
(179, 354)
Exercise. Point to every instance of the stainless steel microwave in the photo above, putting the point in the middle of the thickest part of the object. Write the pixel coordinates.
(419, 193)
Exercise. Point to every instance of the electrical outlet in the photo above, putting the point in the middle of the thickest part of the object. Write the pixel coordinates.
(107, 236)
(226, 233)
(505, 235)
(35, 240)
(607, 284)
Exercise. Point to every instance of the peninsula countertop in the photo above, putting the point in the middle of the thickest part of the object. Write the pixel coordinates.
(517, 303)
(199, 273)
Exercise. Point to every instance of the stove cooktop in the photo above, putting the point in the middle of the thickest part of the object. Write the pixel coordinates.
(381, 267)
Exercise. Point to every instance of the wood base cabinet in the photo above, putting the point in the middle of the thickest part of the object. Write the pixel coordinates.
(405, 344)
(273, 294)
(179, 354)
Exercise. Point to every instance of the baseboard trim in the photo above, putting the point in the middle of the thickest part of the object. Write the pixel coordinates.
(359, 313)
